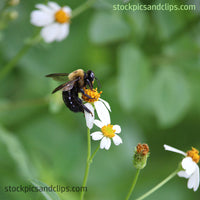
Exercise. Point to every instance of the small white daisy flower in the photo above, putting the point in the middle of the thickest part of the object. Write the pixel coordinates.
(54, 20)
(107, 132)
(101, 106)
(189, 164)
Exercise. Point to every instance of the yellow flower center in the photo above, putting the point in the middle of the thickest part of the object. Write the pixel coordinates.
(108, 131)
(62, 17)
(194, 154)
(92, 93)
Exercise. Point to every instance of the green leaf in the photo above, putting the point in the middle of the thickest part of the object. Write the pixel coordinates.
(16, 151)
(171, 96)
(139, 23)
(169, 22)
(49, 195)
(55, 100)
(133, 75)
(108, 27)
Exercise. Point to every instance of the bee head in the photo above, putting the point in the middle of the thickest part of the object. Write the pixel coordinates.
(89, 78)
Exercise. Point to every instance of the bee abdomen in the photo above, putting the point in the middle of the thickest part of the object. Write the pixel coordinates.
(72, 101)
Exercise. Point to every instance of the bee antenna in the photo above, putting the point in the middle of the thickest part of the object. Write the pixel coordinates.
(98, 83)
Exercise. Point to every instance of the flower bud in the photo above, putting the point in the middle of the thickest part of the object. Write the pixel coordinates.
(13, 2)
(140, 156)
(13, 15)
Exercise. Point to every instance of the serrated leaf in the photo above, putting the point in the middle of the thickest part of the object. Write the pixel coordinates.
(16, 151)
(133, 75)
(49, 195)
(108, 27)
(171, 96)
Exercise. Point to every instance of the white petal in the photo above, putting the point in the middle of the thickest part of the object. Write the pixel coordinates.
(40, 18)
(50, 32)
(108, 144)
(105, 143)
(189, 165)
(88, 117)
(117, 140)
(54, 6)
(196, 175)
(63, 32)
(193, 181)
(67, 9)
(102, 112)
(98, 123)
(97, 135)
(44, 8)
(117, 128)
(106, 104)
(169, 148)
(183, 174)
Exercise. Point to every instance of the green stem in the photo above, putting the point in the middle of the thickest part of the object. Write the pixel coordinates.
(89, 161)
(159, 185)
(82, 8)
(92, 156)
(133, 184)
(9, 66)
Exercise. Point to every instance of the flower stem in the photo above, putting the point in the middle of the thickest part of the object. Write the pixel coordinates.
(159, 185)
(92, 156)
(9, 66)
(82, 8)
(89, 161)
(133, 184)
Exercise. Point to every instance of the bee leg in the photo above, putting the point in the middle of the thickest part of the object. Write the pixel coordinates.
(86, 109)
(89, 97)
(90, 84)
(82, 106)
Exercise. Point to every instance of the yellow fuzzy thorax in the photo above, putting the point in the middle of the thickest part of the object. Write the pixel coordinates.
(75, 74)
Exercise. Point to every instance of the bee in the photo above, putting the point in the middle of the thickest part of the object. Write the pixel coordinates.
(78, 79)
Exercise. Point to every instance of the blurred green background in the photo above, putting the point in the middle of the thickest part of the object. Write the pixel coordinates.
(148, 63)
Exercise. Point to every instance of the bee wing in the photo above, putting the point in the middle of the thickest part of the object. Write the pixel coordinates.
(67, 86)
(58, 76)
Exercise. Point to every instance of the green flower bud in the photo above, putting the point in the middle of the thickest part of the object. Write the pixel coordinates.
(13, 2)
(12, 15)
(140, 156)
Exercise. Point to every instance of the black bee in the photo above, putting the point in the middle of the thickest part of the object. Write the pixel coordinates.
(77, 81)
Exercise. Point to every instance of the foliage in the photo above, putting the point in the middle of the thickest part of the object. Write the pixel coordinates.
(148, 65)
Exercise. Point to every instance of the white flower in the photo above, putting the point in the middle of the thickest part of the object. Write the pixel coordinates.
(101, 106)
(189, 164)
(107, 132)
(54, 20)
